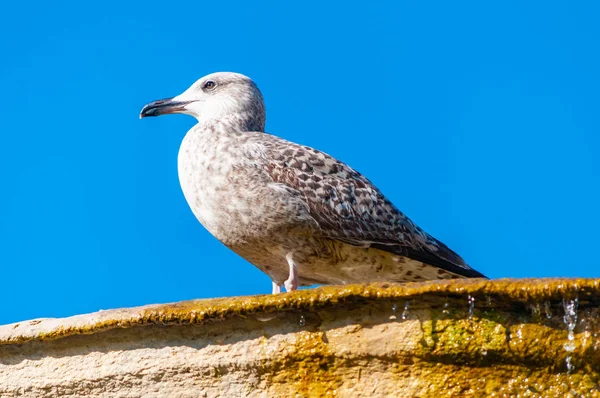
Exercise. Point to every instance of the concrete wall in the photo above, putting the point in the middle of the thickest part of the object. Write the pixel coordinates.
(533, 338)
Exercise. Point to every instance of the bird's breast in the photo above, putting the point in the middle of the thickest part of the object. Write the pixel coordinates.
(227, 192)
(203, 177)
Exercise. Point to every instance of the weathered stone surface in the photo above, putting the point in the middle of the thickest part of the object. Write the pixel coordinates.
(442, 339)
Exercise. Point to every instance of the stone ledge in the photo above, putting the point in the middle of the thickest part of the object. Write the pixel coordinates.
(462, 337)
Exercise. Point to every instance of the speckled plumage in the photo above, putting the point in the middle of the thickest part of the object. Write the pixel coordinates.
(289, 208)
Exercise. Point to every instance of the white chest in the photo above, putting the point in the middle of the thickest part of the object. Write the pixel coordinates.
(202, 177)
(222, 191)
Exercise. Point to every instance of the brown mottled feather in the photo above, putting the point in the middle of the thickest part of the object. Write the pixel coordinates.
(349, 208)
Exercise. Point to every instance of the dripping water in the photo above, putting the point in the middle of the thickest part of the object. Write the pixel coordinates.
(547, 310)
(446, 310)
(405, 312)
(569, 363)
(570, 320)
(471, 306)
(394, 308)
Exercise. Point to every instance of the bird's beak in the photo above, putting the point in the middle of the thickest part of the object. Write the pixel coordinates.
(163, 107)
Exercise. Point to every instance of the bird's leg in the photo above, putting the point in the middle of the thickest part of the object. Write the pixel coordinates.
(276, 288)
(292, 281)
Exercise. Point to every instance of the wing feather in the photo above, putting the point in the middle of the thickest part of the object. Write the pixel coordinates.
(349, 208)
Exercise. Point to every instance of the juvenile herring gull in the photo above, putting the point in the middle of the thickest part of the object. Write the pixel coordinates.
(298, 214)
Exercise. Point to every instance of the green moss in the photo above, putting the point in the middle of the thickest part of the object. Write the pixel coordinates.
(500, 348)
(199, 311)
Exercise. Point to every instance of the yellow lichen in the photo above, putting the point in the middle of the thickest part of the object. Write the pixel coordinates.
(503, 346)
(199, 311)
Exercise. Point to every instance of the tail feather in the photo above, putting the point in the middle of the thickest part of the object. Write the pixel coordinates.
(444, 258)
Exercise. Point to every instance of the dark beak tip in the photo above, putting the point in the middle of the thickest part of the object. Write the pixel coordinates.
(162, 107)
(144, 112)
(150, 109)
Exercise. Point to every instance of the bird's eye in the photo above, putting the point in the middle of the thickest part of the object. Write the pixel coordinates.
(209, 85)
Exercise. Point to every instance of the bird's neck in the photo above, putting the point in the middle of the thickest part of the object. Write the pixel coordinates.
(239, 122)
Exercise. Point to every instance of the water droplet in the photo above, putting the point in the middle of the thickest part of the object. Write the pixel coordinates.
(570, 366)
(569, 346)
(394, 307)
(471, 306)
(483, 351)
(570, 320)
(405, 312)
(446, 311)
(302, 321)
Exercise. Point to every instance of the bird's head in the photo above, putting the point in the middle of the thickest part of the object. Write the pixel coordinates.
(218, 96)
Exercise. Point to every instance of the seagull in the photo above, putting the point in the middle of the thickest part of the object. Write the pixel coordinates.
(296, 213)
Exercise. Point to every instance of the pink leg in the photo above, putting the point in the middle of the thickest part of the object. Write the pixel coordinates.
(292, 281)
(276, 288)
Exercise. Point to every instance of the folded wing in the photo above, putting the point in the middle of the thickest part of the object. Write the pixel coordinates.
(349, 208)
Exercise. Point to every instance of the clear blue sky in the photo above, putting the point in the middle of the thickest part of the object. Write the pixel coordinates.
(479, 120)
